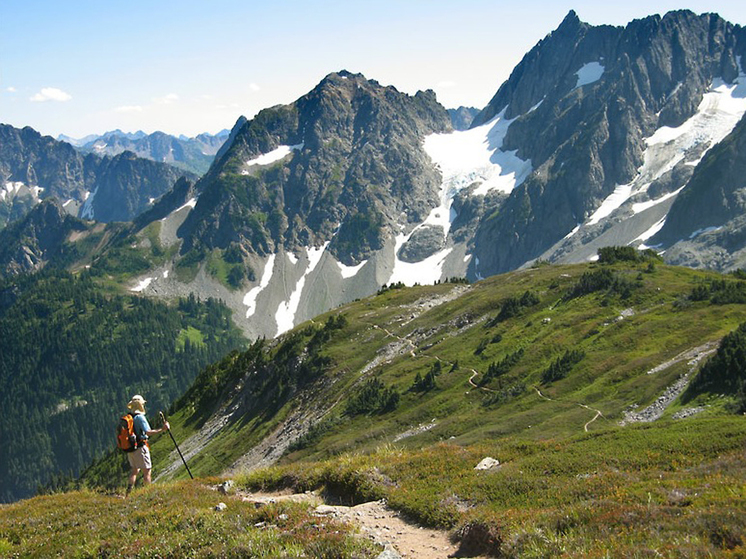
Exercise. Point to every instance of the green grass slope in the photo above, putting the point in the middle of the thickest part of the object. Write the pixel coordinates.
(401, 394)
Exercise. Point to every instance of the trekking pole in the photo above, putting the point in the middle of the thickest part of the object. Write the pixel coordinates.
(163, 419)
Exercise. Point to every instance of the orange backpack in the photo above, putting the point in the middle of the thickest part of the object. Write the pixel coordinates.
(126, 439)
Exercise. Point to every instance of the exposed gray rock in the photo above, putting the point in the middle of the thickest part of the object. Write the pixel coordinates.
(585, 139)
(424, 242)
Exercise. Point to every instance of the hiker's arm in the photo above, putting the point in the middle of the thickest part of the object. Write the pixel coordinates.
(165, 427)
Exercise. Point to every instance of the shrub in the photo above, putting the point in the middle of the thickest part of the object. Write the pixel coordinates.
(499, 368)
(373, 398)
(561, 366)
(724, 372)
(479, 537)
(613, 254)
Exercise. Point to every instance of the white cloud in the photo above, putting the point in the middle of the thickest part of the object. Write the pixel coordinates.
(11, 89)
(254, 87)
(445, 85)
(50, 94)
(167, 100)
(129, 109)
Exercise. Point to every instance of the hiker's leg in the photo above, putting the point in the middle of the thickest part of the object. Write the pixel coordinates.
(132, 479)
(146, 476)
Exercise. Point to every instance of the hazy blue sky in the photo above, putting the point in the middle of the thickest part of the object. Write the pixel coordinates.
(79, 66)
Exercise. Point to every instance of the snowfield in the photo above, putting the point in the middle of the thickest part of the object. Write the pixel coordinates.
(589, 73)
(251, 296)
(285, 315)
(271, 157)
(350, 271)
(718, 113)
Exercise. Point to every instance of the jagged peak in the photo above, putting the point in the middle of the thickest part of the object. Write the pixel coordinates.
(570, 19)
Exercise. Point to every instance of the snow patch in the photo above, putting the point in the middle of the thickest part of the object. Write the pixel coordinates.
(620, 195)
(251, 296)
(426, 271)
(285, 315)
(350, 271)
(271, 157)
(471, 157)
(142, 285)
(699, 232)
(293, 259)
(86, 211)
(649, 233)
(70, 201)
(642, 206)
(165, 274)
(475, 156)
(718, 113)
(190, 204)
(589, 73)
(571, 233)
(10, 189)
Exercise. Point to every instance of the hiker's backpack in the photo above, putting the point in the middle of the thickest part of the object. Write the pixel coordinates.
(126, 438)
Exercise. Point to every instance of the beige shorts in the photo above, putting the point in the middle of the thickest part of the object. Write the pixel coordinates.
(140, 459)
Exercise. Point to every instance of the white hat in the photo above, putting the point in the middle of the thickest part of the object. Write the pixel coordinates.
(137, 403)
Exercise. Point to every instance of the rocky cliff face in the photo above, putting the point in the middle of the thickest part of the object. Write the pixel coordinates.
(35, 167)
(29, 244)
(343, 164)
(706, 226)
(586, 102)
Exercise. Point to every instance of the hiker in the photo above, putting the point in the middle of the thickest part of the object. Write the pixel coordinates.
(139, 459)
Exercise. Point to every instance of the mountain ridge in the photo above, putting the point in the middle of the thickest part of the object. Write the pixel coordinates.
(108, 189)
(191, 154)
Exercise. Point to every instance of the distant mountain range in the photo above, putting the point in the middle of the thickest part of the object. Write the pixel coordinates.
(601, 136)
(191, 154)
(118, 188)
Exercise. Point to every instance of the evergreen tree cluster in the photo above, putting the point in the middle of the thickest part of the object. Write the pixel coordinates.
(373, 398)
(499, 368)
(427, 383)
(720, 292)
(72, 356)
(513, 306)
(561, 366)
(724, 372)
(614, 254)
(603, 279)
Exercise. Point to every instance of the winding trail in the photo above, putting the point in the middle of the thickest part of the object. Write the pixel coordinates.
(585, 427)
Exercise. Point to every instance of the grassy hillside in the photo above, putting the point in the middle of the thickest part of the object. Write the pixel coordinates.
(72, 356)
(169, 521)
(548, 370)
(330, 372)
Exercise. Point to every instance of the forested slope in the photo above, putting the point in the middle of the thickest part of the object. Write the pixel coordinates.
(72, 356)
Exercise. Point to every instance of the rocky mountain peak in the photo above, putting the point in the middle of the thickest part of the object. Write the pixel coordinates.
(350, 147)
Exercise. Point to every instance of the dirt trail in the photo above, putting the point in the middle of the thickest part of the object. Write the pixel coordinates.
(585, 427)
(377, 522)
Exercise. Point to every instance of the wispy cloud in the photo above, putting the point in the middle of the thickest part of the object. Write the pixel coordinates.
(11, 89)
(50, 94)
(128, 109)
(167, 99)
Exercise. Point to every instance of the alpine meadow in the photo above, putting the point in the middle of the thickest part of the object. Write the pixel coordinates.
(377, 327)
